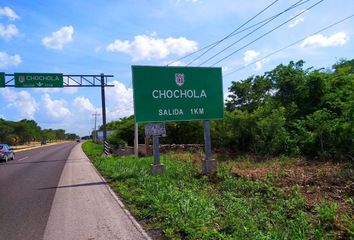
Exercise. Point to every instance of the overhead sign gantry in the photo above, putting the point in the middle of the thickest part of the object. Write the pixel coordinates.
(59, 80)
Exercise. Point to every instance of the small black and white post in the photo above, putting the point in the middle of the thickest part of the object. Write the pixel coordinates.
(208, 164)
(106, 148)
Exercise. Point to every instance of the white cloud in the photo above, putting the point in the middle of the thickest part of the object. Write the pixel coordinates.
(250, 55)
(74, 116)
(83, 121)
(68, 90)
(83, 104)
(121, 99)
(21, 101)
(261, 63)
(8, 12)
(145, 47)
(59, 38)
(296, 21)
(299, 19)
(225, 69)
(188, 1)
(320, 40)
(7, 60)
(226, 96)
(176, 64)
(8, 31)
(55, 108)
(98, 49)
(120, 105)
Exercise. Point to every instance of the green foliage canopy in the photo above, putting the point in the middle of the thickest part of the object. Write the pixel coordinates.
(28, 131)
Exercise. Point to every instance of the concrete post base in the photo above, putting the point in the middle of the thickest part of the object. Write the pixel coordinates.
(157, 169)
(208, 166)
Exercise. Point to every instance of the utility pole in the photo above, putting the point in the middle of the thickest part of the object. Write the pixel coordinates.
(96, 115)
(94, 130)
(103, 107)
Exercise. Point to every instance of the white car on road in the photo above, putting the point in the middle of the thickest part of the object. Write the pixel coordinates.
(6, 153)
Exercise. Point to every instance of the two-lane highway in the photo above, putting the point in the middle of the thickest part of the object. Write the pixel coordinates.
(26, 190)
(55, 192)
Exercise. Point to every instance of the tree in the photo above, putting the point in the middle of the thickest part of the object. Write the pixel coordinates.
(249, 94)
(291, 110)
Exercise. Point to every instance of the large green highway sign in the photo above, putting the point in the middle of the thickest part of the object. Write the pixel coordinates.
(177, 93)
(39, 80)
(2, 79)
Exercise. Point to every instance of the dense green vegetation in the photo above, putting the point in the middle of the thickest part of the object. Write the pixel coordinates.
(28, 131)
(292, 110)
(186, 205)
(289, 110)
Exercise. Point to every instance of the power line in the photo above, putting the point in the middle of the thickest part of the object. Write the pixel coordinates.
(263, 35)
(230, 34)
(290, 45)
(237, 32)
(265, 23)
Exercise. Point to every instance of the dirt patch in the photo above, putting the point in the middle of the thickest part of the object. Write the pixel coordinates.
(318, 181)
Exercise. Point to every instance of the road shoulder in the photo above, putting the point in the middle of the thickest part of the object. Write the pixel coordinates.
(85, 207)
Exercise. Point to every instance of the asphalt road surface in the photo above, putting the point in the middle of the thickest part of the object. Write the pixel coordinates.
(54, 193)
(25, 199)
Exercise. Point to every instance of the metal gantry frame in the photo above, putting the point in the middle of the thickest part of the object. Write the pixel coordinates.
(72, 80)
(80, 80)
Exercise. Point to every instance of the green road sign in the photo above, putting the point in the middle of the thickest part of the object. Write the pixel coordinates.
(177, 93)
(39, 80)
(2, 79)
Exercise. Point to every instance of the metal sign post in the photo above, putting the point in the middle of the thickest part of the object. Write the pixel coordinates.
(208, 164)
(156, 130)
(157, 167)
(136, 140)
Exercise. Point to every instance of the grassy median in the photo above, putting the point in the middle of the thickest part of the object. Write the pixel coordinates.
(182, 204)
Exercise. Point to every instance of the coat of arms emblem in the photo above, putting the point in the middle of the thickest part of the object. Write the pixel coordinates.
(21, 79)
(179, 77)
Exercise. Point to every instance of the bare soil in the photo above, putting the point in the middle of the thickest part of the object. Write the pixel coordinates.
(318, 181)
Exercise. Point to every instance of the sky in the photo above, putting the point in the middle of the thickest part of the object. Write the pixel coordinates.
(109, 36)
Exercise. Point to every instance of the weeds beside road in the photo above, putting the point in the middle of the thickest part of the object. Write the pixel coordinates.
(181, 203)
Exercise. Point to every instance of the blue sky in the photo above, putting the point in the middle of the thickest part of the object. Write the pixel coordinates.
(93, 37)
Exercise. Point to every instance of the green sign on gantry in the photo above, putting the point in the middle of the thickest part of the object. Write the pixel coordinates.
(39, 80)
(177, 93)
(2, 79)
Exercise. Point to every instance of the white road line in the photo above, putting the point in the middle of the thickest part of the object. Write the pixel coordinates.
(23, 158)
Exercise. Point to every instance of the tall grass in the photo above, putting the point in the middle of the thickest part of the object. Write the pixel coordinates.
(185, 205)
